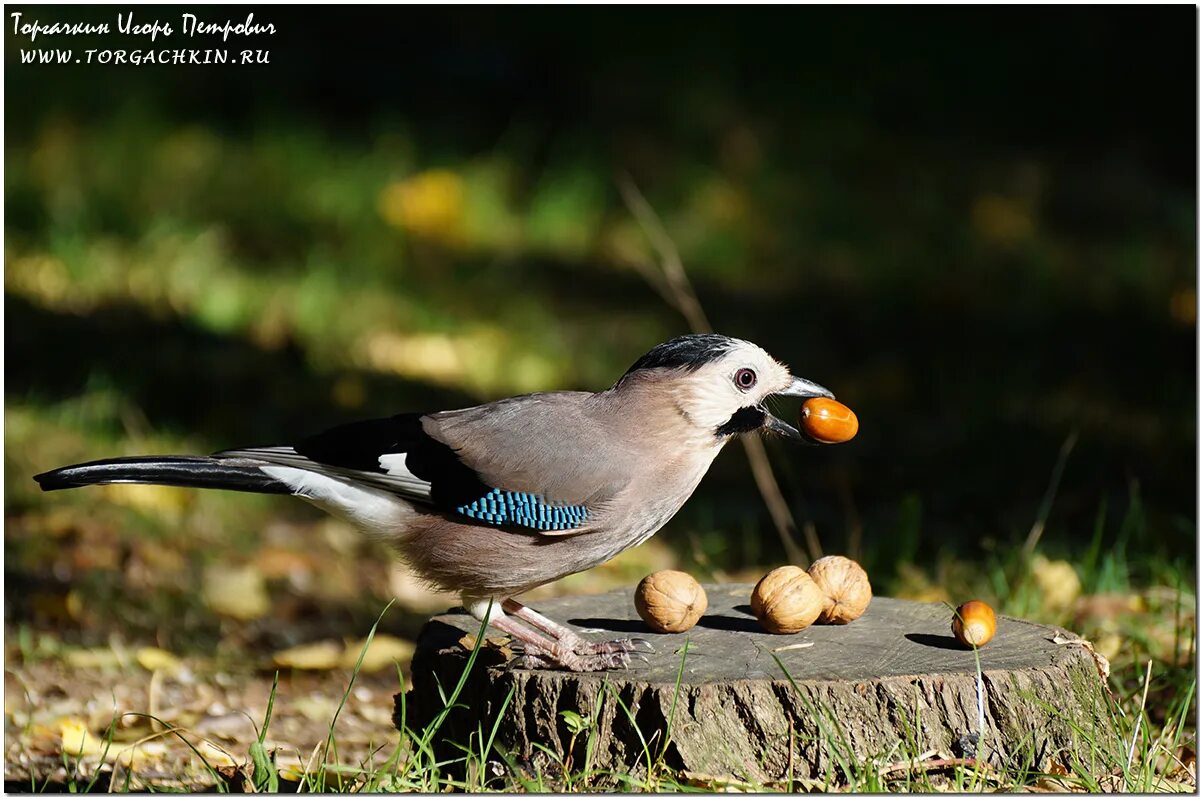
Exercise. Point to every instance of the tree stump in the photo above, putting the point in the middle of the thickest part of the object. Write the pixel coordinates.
(890, 684)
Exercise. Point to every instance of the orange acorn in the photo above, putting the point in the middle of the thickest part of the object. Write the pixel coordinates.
(828, 421)
(974, 624)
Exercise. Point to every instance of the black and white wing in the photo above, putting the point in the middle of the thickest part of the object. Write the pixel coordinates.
(403, 456)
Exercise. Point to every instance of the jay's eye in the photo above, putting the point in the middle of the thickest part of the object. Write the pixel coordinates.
(745, 378)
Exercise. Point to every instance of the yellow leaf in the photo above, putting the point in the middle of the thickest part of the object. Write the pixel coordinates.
(290, 767)
(315, 708)
(76, 739)
(158, 659)
(383, 653)
(217, 756)
(1109, 645)
(1057, 581)
(323, 655)
(133, 755)
(430, 204)
(239, 593)
(92, 659)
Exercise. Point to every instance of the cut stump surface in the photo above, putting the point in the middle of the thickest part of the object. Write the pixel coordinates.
(760, 708)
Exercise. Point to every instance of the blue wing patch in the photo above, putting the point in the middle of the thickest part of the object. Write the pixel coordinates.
(505, 508)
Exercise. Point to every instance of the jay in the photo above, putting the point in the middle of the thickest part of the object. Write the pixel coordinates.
(494, 500)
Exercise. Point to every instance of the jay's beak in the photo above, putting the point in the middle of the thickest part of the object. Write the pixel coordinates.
(800, 388)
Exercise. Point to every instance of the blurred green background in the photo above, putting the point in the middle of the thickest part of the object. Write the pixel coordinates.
(976, 226)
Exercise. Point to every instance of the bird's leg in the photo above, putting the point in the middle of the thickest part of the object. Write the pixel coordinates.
(545, 652)
(551, 645)
(565, 635)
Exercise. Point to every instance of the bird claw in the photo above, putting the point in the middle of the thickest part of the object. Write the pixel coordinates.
(597, 662)
(573, 662)
(635, 644)
(576, 655)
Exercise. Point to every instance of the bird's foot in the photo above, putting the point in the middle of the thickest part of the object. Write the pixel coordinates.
(556, 646)
(631, 645)
(560, 657)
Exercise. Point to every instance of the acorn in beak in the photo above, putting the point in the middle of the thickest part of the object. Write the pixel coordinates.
(799, 388)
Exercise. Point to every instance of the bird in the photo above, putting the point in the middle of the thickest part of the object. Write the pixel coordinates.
(493, 500)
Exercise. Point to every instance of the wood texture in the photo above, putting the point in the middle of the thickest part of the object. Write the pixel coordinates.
(894, 680)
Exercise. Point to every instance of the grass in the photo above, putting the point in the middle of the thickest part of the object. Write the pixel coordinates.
(1138, 763)
(1137, 606)
(317, 279)
(1145, 756)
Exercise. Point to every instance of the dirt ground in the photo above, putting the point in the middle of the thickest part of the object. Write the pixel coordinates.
(52, 709)
(146, 662)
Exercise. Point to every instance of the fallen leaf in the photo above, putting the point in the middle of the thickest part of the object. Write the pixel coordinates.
(137, 754)
(76, 739)
(239, 593)
(1056, 580)
(1109, 645)
(1107, 606)
(155, 659)
(467, 641)
(290, 767)
(315, 708)
(92, 658)
(323, 655)
(383, 653)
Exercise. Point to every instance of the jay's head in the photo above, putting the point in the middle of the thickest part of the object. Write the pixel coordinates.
(720, 385)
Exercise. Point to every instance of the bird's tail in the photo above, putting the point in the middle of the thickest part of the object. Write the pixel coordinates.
(212, 472)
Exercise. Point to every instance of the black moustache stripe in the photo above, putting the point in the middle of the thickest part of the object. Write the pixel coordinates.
(747, 419)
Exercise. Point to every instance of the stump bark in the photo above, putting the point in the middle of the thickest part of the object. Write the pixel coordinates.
(761, 708)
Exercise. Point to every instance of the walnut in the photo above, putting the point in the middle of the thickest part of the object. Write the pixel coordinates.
(786, 600)
(845, 586)
(670, 601)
